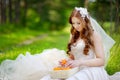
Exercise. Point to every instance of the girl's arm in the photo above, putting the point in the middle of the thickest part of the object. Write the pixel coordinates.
(99, 52)
(99, 60)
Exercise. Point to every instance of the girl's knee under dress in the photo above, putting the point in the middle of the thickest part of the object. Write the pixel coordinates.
(90, 73)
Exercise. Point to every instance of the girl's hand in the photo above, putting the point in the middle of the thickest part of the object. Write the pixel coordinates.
(73, 63)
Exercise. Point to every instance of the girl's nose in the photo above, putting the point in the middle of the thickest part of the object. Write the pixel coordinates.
(75, 25)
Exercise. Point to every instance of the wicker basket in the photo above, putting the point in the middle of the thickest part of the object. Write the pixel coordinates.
(63, 74)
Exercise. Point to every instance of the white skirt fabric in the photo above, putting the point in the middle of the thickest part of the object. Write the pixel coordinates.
(90, 73)
(37, 67)
(31, 67)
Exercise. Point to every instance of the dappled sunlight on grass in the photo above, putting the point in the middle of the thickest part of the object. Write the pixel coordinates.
(9, 40)
(55, 39)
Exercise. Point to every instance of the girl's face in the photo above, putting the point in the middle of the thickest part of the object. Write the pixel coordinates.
(78, 24)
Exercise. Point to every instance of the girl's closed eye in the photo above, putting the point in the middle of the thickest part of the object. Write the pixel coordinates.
(78, 23)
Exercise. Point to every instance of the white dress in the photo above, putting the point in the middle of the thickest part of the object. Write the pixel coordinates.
(87, 73)
(37, 67)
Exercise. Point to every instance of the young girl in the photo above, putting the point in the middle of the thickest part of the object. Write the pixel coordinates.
(85, 48)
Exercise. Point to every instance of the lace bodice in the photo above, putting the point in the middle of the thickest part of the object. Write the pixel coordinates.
(77, 50)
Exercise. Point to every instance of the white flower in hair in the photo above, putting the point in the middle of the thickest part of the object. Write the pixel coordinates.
(83, 11)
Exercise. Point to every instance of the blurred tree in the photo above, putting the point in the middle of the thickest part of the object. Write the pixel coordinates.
(117, 16)
(0, 9)
(54, 14)
(86, 3)
(10, 11)
(106, 11)
(17, 11)
(51, 14)
(3, 11)
(24, 7)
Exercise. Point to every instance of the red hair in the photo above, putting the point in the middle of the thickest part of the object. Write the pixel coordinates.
(85, 34)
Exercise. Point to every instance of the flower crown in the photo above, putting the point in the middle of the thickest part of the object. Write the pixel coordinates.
(83, 12)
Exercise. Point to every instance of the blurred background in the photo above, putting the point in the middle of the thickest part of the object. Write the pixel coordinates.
(35, 25)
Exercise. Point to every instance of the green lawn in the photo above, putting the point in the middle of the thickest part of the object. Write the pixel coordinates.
(11, 48)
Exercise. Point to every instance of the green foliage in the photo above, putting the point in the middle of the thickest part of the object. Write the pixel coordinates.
(33, 20)
(114, 61)
(49, 14)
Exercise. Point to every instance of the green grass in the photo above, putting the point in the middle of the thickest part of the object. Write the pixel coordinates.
(54, 39)
(114, 60)
(11, 39)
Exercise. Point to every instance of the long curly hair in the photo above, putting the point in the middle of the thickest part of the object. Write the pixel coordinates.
(85, 34)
